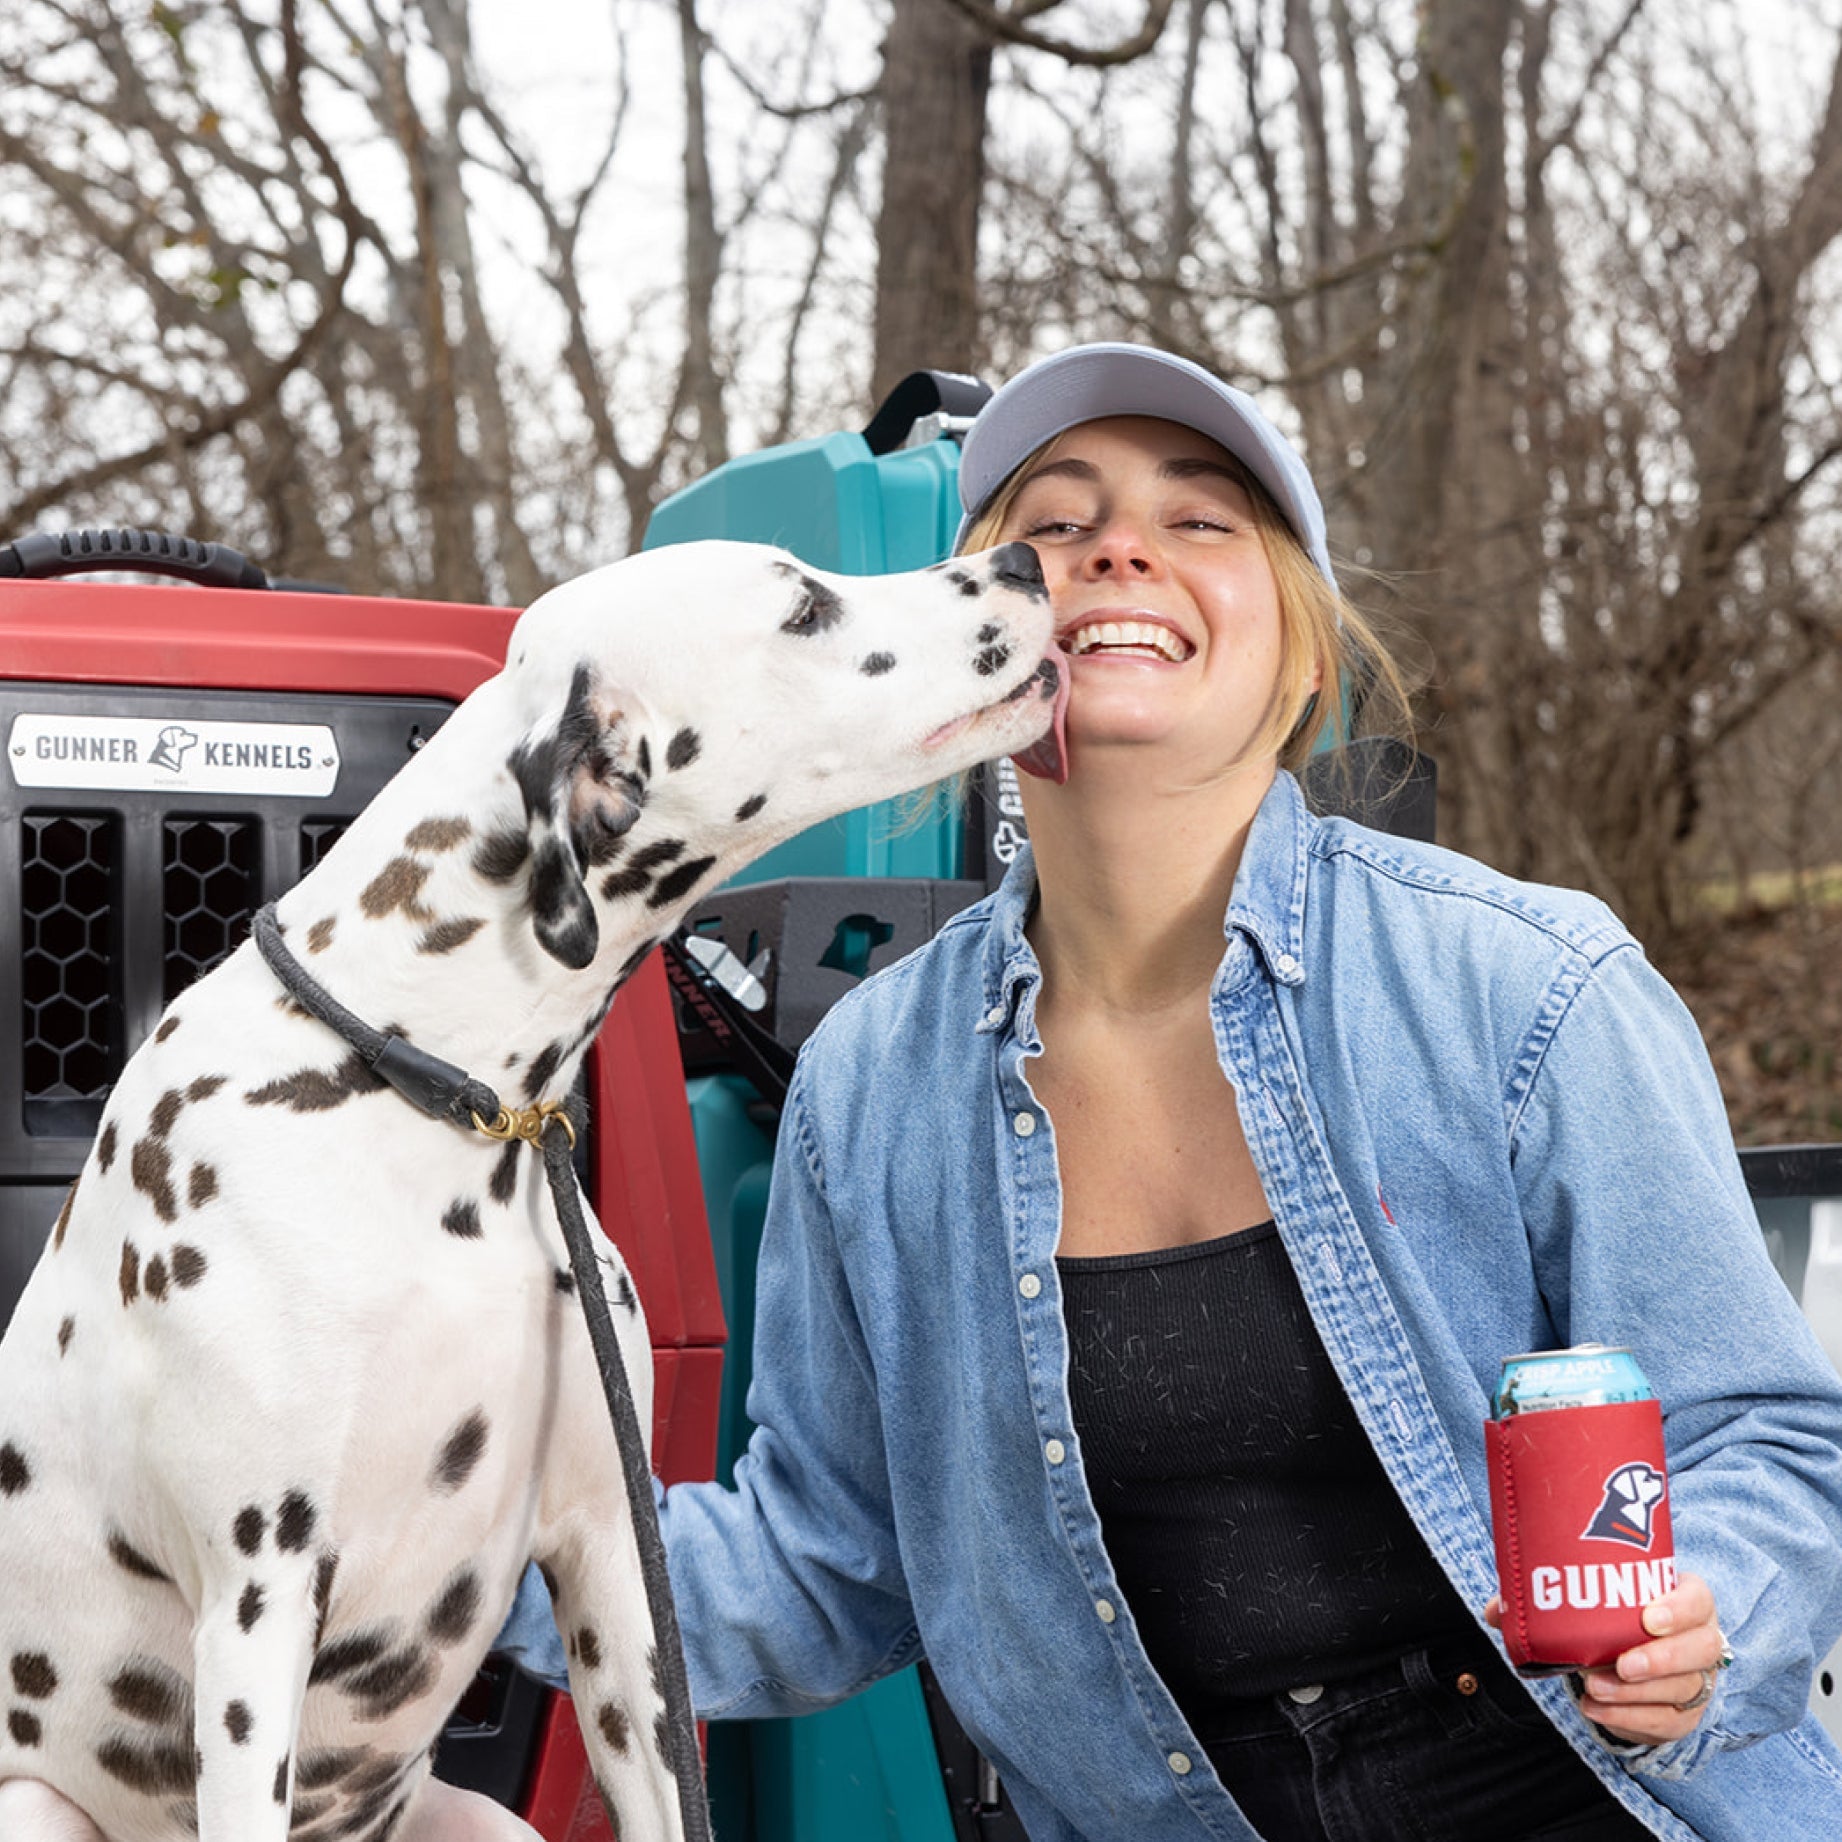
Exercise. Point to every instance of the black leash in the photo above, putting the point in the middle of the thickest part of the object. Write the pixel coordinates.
(443, 1091)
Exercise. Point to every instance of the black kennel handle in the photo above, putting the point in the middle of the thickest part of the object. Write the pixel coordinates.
(45, 554)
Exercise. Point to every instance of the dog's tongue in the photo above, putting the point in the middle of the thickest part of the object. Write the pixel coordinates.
(1048, 759)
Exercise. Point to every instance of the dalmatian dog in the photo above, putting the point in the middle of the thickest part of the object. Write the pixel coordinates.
(298, 1384)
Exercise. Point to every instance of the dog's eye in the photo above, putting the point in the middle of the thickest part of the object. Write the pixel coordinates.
(818, 609)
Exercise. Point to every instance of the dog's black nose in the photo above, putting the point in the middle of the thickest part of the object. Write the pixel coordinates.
(1017, 566)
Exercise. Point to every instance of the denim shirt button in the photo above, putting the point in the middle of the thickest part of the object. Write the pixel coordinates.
(1103, 1610)
(1024, 1124)
(1029, 1285)
(995, 1015)
(1055, 1451)
(1286, 964)
(1180, 1764)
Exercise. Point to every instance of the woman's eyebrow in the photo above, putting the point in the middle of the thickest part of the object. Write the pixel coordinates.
(1068, 467)
(1189, 467)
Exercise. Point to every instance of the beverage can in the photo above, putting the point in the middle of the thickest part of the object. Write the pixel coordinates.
(1588, 1375)
(1579, 1501)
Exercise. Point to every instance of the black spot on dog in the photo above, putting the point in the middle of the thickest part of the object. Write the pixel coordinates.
(438, 834)
(154, 1278)
(460, 1452)
(392, 1682)
(105, 1148)
(452, 1616)
(614, 1726)
(320, 935)
(989, 632)
(624, 1294)
(128, 1275)
(680, 882)
(637, 872)
(152, 1693)
(396, 886)
(33, 1675)
(355, 1651)
(131, 1560)
(249, 1607)
(328, 1766)
(201, 1185)
(565, 1281)
(165, 1115)
(502, 856)
(281, 1780)
(543, 1065)
(621, 883)
(643, 762)
(323, 1571)
(462, 1219)
(66, 1331)
(152, 1167)
(294, 1522)
(151, 1766)
(205, 1086)
(750, 806)
(877, 664)
(992, 659)
(377, 1772)
(317, 1090)
(15, 1473)
(188, 1265)
(504, 1183)
(588, 1647)
(24, 1727)
(249, 1528)
(683, 749)
(167, 1026)
(445, 936)
(237, 1722)
(63, 1222)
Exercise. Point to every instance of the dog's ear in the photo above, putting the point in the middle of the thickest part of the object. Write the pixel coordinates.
(584, 784)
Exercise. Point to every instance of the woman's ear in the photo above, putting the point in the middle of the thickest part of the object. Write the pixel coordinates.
(584, 784)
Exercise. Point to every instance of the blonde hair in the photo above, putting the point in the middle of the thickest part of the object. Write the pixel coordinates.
(1323, 636)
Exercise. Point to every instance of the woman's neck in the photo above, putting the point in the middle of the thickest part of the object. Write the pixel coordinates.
(1133, 880)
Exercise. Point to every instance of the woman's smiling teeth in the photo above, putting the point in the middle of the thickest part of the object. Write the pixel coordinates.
(1126, 636)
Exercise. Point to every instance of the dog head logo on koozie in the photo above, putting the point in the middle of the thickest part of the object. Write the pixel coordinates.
(175, 742)
(1627, 1511)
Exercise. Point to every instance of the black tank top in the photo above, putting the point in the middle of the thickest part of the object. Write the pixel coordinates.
(1254, 1534)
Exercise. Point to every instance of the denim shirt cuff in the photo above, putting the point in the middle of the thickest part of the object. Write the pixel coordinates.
(1676, 1759)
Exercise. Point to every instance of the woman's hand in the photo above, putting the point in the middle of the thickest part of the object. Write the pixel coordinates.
(1656, 1692)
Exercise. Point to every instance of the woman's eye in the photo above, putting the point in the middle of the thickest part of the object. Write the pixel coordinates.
(1052, 527)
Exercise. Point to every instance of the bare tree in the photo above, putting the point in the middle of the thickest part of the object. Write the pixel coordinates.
(269, 352)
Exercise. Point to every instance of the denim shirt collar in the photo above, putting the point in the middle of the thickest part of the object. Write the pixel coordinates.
(1267, 905)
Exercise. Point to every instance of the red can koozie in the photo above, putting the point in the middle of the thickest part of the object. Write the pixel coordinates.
(1579, 1503)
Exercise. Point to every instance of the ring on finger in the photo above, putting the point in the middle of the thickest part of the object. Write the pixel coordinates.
(1701, 1697)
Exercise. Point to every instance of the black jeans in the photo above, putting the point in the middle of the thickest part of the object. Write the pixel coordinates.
(1442, 1745)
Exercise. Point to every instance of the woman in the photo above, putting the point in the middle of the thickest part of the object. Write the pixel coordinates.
(1142, 1252)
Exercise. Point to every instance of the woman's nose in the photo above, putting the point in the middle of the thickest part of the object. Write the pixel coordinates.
(1120, 548)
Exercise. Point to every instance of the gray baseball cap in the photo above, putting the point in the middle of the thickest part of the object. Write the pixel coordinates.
(1089, 381)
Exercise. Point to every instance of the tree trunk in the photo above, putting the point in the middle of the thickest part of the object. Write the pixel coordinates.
(936, 77)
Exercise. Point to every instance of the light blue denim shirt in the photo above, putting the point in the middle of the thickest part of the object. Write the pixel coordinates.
(1484, 1125)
